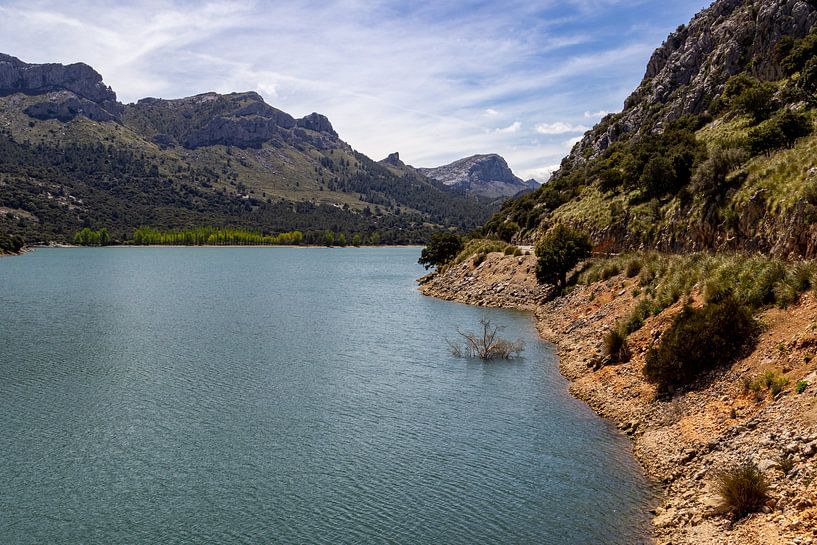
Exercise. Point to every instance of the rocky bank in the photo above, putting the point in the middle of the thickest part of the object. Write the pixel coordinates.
(683, 442)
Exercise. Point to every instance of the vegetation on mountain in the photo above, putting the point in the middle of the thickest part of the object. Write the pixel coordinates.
(10, 244)
(732, 169)
(209, 160)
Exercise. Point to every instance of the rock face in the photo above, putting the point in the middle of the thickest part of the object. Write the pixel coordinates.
(484, 175)
(243, 120)
(71, 90)
(394, 160)
(692, 66)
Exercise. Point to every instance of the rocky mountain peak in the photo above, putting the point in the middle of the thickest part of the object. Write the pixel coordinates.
(691, 67)
(487, 175)
(17, 76)
(394, 160)
(316, 122)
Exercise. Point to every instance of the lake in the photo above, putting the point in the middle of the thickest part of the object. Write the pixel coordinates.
(285, 395)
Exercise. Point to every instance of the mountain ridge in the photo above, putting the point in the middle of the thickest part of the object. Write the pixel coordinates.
(74, 157)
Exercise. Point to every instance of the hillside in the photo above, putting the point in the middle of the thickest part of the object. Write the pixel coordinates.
(72, 156)
(714, 150)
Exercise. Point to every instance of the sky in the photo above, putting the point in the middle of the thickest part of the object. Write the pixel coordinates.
(435, 81)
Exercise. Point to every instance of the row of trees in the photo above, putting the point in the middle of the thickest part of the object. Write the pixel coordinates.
(213, 236)
(89, 237)
(225, 236)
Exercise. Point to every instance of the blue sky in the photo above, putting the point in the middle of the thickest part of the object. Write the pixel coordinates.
(435, 81)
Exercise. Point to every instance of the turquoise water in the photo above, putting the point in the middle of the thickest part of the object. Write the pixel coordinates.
(273, 395)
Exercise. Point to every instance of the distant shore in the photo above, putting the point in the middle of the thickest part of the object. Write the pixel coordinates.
(305, 246)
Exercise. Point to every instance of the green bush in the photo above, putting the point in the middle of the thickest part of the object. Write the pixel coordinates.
(699, 340)
(801, 386)
(750, 96)
(743, 489)
(609, 271)
(798, 53)
(441, 249)
(633, 268)
(781, 131)
(558, 252)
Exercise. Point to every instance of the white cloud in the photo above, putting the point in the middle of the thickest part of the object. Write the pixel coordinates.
(490, 112)
(595, 115)
(510, 129)
(540, 174)
(559, 127)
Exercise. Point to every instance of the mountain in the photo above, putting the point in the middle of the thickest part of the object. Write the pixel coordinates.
(483, 175)
(72, 156)
(715, 149)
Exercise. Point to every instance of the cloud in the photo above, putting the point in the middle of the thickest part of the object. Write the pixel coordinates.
(540, 174)
(490, 112)
(510, 129)
(559, 127)
(595, 115)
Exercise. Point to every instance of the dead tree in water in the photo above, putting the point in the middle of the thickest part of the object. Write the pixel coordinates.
(487, 345)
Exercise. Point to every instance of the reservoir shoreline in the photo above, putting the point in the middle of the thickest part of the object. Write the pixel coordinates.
(681, 443)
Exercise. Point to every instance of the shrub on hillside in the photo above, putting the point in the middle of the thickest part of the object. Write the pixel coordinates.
(781, 131)
(699, 340)
(747, 95)
(441, 248)
(743, 489)
(798, 53)
(710, 176)
(615, 346)
(558, 252)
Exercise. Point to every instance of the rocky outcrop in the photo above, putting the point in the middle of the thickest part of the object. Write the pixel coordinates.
(318, 123)
(393, 160)
(242, 120)
(691, 67)
(66, 108)
(75, 89)
(484, 175)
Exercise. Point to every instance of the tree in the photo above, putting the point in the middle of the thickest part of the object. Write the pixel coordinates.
(750, 96)
(441, 248)
(487, 345)
(558, 252)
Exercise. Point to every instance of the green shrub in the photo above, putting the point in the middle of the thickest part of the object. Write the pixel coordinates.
(643, 310)
(801, 386)
(558, 252)
(750, 96)
(699, 340)
(798, 53)
(509, 250)
(615, 346)
(610, 271)
(781, 131)
(743, 489)
(441, 249)
(633, 268)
